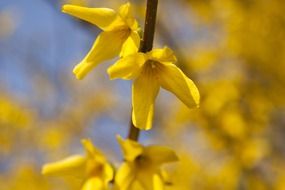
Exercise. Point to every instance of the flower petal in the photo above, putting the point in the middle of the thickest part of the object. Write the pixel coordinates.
(89, 148)
(128, 67)
(131, 45)
(125, 176)
(93, 153)
(144, 91)
(102, 50)
(174, 80)
(93, 183)
(131, 149)
(104, 18)
(158, 183)
(160, 154)
(125, 11)
(162, 55)
(108, 173)
(73, 165)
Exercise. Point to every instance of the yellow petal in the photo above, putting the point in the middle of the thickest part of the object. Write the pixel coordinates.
(106, 46)
(131, 45)
(92, 152)
(174, 80)
(108, 173)
(104, 18)
(125, 176)
(160, 154)
(125, 11)
(94, 183)
(144, 177)
(162, 55)
(73, 165)
(165, 177)
(90, 149)
(131, 149)
(158, 183)
(128, 67)
(144, 91)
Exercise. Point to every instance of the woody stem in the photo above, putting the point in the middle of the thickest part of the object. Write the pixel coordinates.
(145, 46)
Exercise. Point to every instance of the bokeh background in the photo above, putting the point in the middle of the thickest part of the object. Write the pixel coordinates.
(234, 50)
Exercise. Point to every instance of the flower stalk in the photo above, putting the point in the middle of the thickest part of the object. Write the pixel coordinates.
(149, 27)
(145, 46)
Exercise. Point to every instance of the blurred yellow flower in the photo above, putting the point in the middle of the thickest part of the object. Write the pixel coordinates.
(119, 37)
(141, 167)
(93, 168)
(150, 71)
(12, 114)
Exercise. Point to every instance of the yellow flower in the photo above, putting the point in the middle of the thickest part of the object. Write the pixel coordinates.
(93, 168)
(150, 71)
(119, 37)
(141, 167)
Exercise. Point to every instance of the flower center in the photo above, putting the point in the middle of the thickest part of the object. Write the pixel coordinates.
(142, 161)
(152, 67)
(94, 168)
(152, 64)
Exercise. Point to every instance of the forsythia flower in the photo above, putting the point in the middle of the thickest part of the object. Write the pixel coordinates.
(141, 167)
(150, 71)
(119, 37)
(93, 167)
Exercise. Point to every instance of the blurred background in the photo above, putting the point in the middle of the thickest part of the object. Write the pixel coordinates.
(234, 50)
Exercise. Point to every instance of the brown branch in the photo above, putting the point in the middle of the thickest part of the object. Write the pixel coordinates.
(149, 26)
(134, 132)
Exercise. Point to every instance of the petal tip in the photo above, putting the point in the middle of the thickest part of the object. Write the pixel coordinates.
(84, 141)
(143, 128)
(197, 98)
(78, 77)
(77, 72)
(47, 170)
(44, 170)
(65, 8)
(119, 138)
(110, 73)
(127, 4)
(147, 128)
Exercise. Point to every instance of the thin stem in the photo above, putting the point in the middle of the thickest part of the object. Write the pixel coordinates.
(134, 132)
(149, 26)
(146, 45)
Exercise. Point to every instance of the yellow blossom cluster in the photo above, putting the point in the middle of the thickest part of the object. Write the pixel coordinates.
(150, 71)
